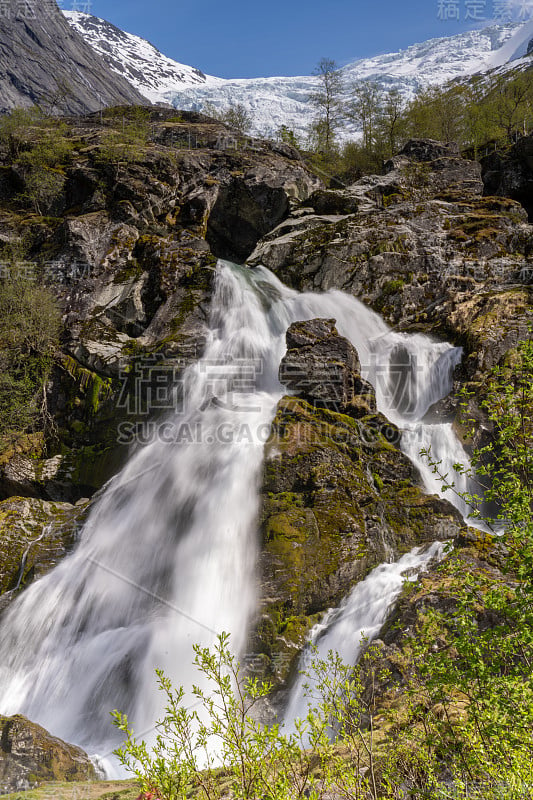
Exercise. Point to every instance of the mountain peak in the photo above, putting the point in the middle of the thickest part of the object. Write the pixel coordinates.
(136, 59)
(277, 101)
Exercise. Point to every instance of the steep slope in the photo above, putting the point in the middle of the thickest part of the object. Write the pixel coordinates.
(149, 71)
(43, 60)
(277, 101)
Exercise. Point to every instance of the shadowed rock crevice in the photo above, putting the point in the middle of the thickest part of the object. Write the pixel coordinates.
(510, 173)
(243, 213)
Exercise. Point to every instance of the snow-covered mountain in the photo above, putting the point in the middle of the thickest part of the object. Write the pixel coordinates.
(277, 101)
(151, 72)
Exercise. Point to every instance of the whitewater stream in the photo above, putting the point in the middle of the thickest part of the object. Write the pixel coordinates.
(168, 555)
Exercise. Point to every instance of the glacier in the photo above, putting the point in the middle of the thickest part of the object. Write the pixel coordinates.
(276, 101)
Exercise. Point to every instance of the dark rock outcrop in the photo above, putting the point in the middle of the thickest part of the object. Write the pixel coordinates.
(29, 754)
(44, 62)
(510, 173)
(131, 255)
(424, 248)
(242, 214)
(324, 368)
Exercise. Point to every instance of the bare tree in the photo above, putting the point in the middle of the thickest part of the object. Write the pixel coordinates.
(365, 109)
(392, 120)
(327, 102)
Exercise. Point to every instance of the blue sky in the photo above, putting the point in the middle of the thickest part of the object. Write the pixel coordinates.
(246, 38)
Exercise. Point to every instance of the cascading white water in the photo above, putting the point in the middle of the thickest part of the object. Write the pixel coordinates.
(347, 629)
(410, 374)
(168, 554)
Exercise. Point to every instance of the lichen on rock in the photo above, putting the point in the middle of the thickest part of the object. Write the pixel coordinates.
(338, 498)
(29, 754)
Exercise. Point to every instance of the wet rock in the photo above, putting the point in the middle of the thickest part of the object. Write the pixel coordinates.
(323, 367)
(29, 754)
(34, 536)
(422, 247)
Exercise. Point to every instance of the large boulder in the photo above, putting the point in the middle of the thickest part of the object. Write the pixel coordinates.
(323, 367)
(29, 754)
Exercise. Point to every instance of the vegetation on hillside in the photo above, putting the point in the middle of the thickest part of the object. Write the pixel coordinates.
(479, 113)
(29, 337)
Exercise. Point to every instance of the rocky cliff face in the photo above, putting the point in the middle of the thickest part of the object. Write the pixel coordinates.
(130, 248)
(128, 243)
(422, 245)
(44, 62)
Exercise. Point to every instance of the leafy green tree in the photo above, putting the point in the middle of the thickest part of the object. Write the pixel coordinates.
(391, 122)
(125, 139)
(43, 163)
(237, 116)
(436, 113)
(511, 103)
(288, 136)
(217, 748)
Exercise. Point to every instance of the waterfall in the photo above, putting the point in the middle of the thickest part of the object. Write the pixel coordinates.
(167, 556)
(358, 620)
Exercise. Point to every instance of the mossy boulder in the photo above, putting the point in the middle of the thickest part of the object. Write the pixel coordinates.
(338, 498)
(29, 754)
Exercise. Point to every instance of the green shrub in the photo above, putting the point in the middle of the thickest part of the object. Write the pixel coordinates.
(16, 128)
(29, 337)
(126, 139)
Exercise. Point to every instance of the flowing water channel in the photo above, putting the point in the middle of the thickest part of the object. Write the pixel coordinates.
(167, 557)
